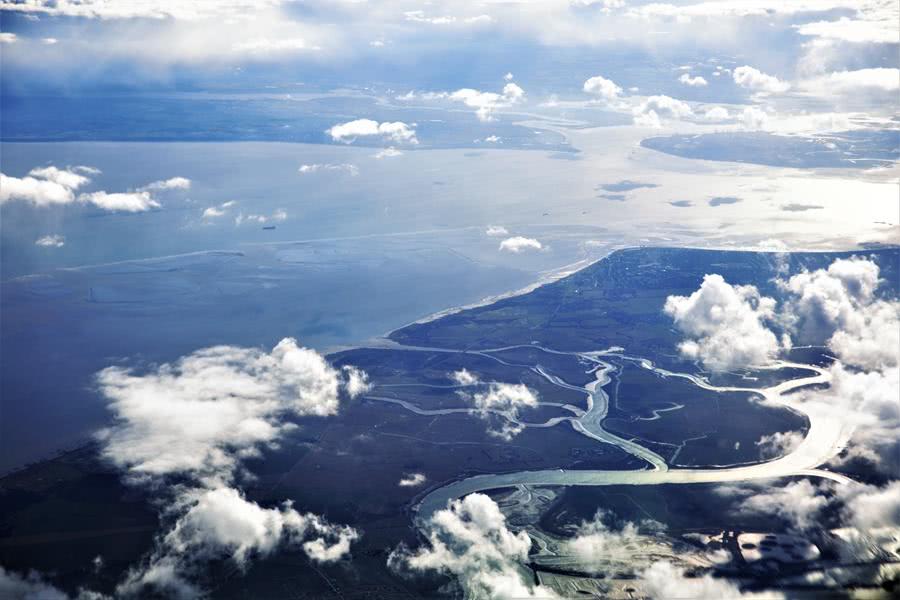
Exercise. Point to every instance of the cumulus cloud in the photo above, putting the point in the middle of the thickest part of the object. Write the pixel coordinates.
(44, 186)
(501, 401)
(174, 183)
(412, 480)
(397, 131)
(697, 81)
(518, 244)
(70, 178)
(196, 421)
(189, 416)
(648, 113)
(755, 80)
(347, 168)
(120, 201)
(754, 119)
(486, 103)
(716, 113)
(471, 541)
(496, 230)
(603, 88)
(504, 397)
(49, 186)
(725, 324)
(838, 306)
(51, 241)
(214, 212)
(8, 38)
(356, 381)
(223, 524)
(465, 377)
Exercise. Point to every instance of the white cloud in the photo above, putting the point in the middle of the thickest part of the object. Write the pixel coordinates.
(508, 77)
(716, 113)
(196, 421)
(518, 243)
(496, 230)
(778, 444)
(163, 9)
(647, 119)
(503, 398)
(45, 186)
(187, 417)
(858, 31)
(596, 545)
(356, 381)
(697, 81)
(214, 212)
(418, 16)
(277, 215)
(69, 178)
(390, 152)
(412, 480)
(347, 168)
(8, 38)
(837, 305)
(470, 541)
(603, 88)
(223, 523)
(465, 377)
(397, 132)
(51, 241)
(120, 201)
(881, 81)
(754, 119)
(725, 324)
(757, 81)
(486, 103)
(868, 507)
(175, 183)
(49, 41)
(648, 113)
(266, 46)
(32, 587)
(798, 502)
(664, 580)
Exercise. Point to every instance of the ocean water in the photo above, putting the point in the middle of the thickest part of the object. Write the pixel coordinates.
(355, 257)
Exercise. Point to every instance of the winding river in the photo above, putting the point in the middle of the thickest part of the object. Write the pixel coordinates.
(826, 437)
